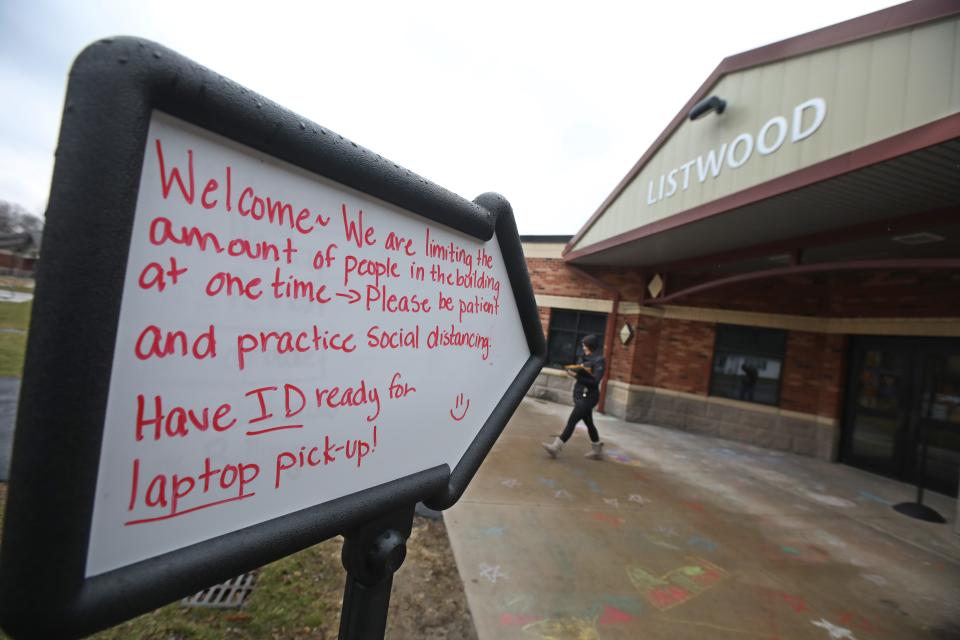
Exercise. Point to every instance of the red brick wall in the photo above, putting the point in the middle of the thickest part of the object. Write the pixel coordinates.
(622, 355)
(813, 373)
(684, 357)
(553, 277)
(646, 341)
(887, 294)
(833, 376)
(544, 319)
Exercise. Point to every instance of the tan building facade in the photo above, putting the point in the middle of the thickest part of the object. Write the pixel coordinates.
(782, 266)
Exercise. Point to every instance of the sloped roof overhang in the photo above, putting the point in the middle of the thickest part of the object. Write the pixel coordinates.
(915, 170)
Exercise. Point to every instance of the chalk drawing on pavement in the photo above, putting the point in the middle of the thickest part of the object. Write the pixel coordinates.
(562, 494)
(702, 542)
(874, 578)
(836, 633)
(616, 521)
(639, 499)
(517, 619)
(866, 495)
(677, 586)
(513, 483)
(612, 615)
(563, 629)
(613, 502)
(830, 501)
(492, 572)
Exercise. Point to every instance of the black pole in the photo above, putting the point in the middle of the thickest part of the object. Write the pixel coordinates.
(371, 555)
(917, 509)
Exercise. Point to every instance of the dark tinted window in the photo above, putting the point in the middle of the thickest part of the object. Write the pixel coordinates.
(567, 329)
(748, 364)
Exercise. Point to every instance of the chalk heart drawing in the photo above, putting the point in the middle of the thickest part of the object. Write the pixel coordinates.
(563, 629)
(836, 633)
(677, 586)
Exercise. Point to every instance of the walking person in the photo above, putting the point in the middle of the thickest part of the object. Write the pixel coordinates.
(586, 394)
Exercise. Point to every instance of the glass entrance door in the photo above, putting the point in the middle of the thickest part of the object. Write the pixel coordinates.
(877, 413)
(902, 390)
(939, 417)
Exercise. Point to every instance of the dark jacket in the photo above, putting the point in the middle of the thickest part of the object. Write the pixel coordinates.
(587, 387)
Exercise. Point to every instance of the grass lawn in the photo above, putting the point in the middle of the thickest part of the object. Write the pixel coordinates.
(15, 319)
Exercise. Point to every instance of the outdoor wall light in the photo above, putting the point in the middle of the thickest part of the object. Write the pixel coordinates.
(702, 108)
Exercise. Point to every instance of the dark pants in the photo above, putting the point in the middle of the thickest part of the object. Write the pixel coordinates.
(581, 411)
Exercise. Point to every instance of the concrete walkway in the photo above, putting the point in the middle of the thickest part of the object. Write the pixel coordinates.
(682, 536)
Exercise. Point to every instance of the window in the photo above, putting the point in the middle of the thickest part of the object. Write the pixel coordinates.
(567, 329)
(747, 364)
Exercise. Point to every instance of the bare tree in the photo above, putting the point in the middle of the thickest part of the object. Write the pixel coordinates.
(15, 218)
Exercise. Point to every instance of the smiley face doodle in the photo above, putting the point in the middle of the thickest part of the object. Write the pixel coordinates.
(460, 402)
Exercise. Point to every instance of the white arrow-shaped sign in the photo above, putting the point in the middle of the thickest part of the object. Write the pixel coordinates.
(241, 391)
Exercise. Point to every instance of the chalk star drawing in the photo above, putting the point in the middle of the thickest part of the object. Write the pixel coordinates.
(491, 573)
(639, 499)
(613, 502)
(677, 586)
(835, 632)
(513, 483)
(563, 494)
(667, 531)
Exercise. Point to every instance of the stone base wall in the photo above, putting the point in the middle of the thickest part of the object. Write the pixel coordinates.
(553, 385)
(767, 427)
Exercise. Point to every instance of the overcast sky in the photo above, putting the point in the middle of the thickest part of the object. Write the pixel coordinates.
(548, 103)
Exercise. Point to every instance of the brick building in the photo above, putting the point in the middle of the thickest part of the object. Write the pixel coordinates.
(782, 266)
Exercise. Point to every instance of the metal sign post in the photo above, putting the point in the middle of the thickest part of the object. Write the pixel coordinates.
(371, 555)
(249, 335)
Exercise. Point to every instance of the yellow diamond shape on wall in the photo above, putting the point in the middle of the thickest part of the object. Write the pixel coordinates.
(656, 286)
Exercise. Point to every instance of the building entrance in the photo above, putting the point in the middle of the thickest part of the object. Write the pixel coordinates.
(900, 391)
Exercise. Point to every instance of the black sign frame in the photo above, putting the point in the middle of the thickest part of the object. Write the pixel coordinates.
(114, 86)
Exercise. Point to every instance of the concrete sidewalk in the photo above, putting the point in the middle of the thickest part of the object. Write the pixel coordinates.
(687, 536)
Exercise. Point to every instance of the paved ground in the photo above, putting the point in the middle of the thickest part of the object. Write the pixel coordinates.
(681, 536)
(9, 392)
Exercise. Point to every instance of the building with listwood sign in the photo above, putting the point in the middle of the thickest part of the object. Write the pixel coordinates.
(782, 266)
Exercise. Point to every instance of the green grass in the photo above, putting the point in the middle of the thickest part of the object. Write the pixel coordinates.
(13, 344)
(15, 315)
